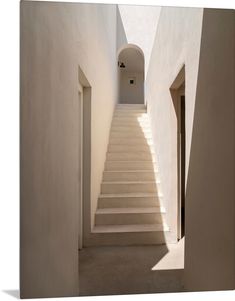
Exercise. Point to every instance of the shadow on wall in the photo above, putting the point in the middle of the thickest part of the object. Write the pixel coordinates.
(13, 293)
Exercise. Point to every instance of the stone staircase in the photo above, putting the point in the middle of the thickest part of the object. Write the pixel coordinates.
(129, 209)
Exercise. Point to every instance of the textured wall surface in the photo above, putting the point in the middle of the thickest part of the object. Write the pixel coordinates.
(131, 93)
(210, 197)
(56, 39)
(177, 43)
(203, 41)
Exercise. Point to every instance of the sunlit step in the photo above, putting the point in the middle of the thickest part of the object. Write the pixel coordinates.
(131, 129)
(130, 114)
(133, 175)
(130, 200)
(131, 107)
(128, 156)
(131, 118)
(130, 111)
(122, 216)
(131, 123)
(131, 165)
(129, 187)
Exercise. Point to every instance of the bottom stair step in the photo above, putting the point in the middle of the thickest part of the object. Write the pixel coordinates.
(130, 235)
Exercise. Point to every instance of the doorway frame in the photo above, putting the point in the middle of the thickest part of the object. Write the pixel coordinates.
(177, 90)
(84, 214)
(181, 163)
(80, 175)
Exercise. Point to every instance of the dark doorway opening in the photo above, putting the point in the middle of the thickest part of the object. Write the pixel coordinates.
(181, 163)
(177, 90)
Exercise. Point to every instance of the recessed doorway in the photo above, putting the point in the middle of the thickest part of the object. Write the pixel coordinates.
(181, 161)
(84, 154)
(80, 163)
(178, 96)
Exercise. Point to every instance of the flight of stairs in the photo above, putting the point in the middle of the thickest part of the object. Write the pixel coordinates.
(129, 210)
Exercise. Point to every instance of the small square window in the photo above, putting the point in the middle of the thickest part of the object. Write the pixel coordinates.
(132, 80)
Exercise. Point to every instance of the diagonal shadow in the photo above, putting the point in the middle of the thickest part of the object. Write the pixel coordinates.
(13, 293)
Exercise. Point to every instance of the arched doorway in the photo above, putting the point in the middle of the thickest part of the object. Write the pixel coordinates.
(131, 75)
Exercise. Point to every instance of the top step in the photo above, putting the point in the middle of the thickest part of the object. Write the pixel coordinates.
(131, 106)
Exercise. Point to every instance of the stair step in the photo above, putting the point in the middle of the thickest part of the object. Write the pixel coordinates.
(130, 228)
(127, 216)
(101, 236)
(131, 106)
(112, 216)
(132, 210)
(130, 113)
(130, 148)
(127, 134)
(130, 165)
(134, 124)
(131, 141)
(131, 200)
(131, 124)
(131, 110)
(135, 156)
(130, 118)
(131, 195)
(131, 129)
(129, 187)
(133, 175)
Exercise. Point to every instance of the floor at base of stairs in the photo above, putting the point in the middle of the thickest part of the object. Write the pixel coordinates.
(127, 270)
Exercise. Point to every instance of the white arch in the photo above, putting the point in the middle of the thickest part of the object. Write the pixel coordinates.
(126, 46)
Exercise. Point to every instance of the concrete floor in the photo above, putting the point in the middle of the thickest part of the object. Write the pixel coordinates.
(130, 270)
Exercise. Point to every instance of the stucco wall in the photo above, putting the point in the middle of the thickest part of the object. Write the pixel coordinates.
(208, 54)
(55, 39)
(131, 93)
(210, 196)
(177, 42)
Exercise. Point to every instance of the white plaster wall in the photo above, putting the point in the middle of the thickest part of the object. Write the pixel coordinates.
(131, 93)
(137, 25)
(55, 39)
(177, 42)
(203, 40)
(210, 193)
